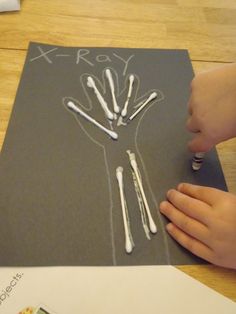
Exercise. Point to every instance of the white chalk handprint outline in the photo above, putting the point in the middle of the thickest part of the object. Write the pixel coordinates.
(115, 126)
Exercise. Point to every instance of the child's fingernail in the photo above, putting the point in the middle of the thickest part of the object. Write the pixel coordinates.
(169, 227)
(162, 206)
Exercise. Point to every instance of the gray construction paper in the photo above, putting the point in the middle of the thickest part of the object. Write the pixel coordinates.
(59, 197)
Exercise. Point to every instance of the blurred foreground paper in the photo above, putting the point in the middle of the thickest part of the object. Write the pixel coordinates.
(9, 5)
(75, 290)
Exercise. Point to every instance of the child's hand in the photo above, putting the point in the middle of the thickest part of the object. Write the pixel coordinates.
(203, 220)
(212, 108)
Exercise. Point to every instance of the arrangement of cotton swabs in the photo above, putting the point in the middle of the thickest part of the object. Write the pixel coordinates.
(117, 111)
(120, 115)
(146, 217)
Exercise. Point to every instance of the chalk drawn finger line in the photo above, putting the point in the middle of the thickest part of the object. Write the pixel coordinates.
(126, 65)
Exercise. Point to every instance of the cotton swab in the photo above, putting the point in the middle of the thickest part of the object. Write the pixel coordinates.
(112, 87)
(131, 82)
(146, 102)
(129, 244)
(134, 166)
(108, 113)
(70, 105)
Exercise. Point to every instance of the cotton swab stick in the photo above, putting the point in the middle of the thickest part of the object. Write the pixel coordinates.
(134, 166)
(146, 102)
(129, 244)
(108, 113)
(124, 110)
(70, 105)
(197, 160)
(141, 208)
(112, 87)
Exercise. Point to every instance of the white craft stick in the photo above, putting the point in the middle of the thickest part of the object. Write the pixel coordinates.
(134, 166)
(91, 84)
(112, 87)
(124, 110)
(150, 98)
(77, 110)
(129, 244)
(197, 160)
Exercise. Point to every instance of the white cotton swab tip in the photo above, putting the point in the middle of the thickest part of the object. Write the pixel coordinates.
(152, 226)
(90, 82)
(119, 174)
(128, 246)
(152, 96)
(124, 112)
(131, 78)
(113, 135)
(108, 74)
(72, 106)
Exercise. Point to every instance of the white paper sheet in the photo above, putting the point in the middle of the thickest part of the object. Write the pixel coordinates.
(9, 5)
(103, 290)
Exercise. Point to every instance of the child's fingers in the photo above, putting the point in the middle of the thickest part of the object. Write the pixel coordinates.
(191, 102)
(191, 244)
(192, 207)
(205, 194)
(192, 125)
(187, 224)
(199, 143)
